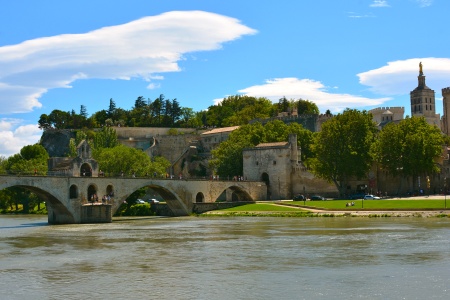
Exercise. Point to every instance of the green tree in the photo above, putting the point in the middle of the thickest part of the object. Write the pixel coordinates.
(139, 102)
(409, 148)
(342, 148)
(83, 111)
(44, 122)
(106, 138)
(283, 104)
(74, 142)
(111, 108)
(31, 159)
(59, 119)
(307, 107)
(100, 117)
(114, 161)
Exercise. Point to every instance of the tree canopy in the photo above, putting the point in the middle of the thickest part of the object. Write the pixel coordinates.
(118, 159)
(31, 159)
(409, 148)
(343, 148)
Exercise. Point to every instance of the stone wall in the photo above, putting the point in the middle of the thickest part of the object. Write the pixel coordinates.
(96, 214)
(146, 132)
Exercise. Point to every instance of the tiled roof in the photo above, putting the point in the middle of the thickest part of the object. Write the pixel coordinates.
(276, 144)
(220, 130)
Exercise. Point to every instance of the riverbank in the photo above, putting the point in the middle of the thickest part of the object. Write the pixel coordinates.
(310, 213)
(360, 209)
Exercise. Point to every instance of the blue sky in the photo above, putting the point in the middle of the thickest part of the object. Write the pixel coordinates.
(342, 53)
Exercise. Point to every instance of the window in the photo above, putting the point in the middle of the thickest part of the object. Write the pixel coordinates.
(274, 162)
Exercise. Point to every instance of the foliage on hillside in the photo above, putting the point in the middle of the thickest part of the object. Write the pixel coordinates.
(162, 112)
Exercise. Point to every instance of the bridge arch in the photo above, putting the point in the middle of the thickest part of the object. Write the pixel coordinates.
(86, 170)
(199, 198)
(175, 200)
(233, 193)
(73, 191)
(239, 194)
(266, 180)
(58, 213)
(110, 190)
(92, 193)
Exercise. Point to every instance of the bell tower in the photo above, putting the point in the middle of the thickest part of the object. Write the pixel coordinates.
(423, 101)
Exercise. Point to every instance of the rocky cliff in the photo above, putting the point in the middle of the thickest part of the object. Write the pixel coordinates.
(56, 142)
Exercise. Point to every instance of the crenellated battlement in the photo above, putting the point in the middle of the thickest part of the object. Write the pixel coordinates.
(446, 90)
(391, 108)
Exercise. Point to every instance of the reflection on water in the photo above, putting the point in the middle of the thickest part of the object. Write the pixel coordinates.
(226, 258)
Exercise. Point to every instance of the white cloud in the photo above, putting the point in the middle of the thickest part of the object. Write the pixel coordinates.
(359, 16)
(397, 77)
(294, 88)
(12, 140)
(29, 69)
(425, 3)
(153, 86)
(379, 3)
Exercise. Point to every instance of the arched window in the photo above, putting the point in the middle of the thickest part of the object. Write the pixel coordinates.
(73, 192)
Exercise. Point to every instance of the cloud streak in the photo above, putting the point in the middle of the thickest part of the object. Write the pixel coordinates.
(137, 49)
(143, 49)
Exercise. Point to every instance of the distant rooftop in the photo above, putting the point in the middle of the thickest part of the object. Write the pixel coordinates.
(220, 130)
(276, 144)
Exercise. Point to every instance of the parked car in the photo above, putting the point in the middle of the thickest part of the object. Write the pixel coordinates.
(299, 198)
(317, 197)
(357, 196)
(152, 201)
(140, 201)
(371, 197)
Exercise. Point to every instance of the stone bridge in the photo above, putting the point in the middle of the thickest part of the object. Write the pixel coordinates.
(67, 198)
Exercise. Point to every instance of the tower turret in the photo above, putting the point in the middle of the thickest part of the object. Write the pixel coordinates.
(446, 110)
(423, 101)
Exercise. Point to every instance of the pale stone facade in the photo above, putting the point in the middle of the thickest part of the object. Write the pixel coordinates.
(280, 167)
(212, 138)
(446, 110)
(384, 115)
(423, 102)
(82, 165)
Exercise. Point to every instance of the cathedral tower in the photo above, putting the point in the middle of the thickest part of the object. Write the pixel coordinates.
(446, 116)
(423, 101)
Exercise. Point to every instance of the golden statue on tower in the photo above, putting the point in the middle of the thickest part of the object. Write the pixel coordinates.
(420, 68)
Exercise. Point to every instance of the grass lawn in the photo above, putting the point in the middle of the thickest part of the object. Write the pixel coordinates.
(425, 204)
(261, 207)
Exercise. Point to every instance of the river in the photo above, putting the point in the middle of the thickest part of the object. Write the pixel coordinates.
(226, 258)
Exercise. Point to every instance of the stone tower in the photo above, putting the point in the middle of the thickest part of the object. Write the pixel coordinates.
(423, 101)
(446, 116)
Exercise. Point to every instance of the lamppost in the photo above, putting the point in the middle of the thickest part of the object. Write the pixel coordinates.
(445, 192)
